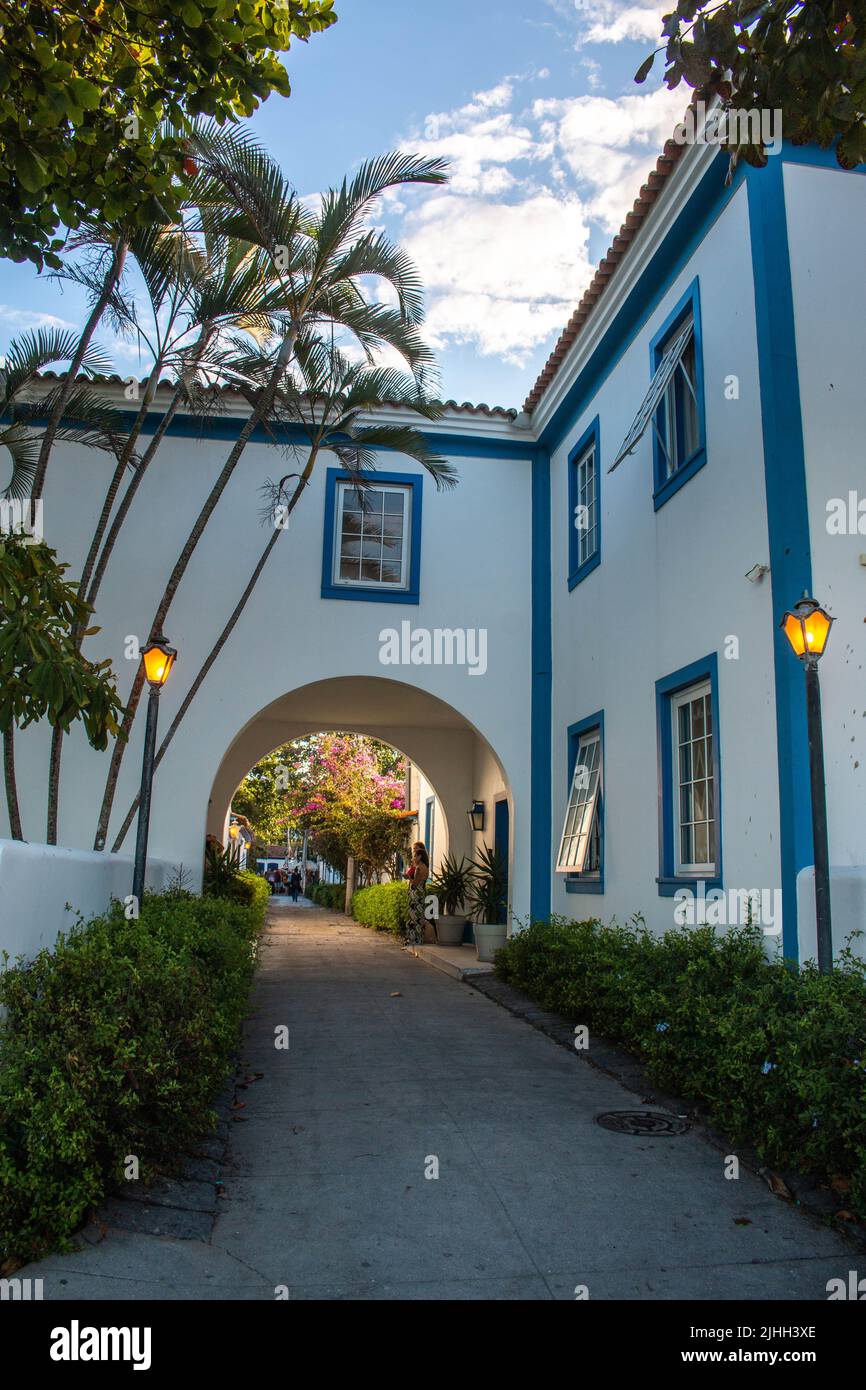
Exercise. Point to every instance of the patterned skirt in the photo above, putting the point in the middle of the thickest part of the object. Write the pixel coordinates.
(416, 919)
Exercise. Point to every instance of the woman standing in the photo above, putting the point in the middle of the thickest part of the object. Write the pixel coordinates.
(417, 874)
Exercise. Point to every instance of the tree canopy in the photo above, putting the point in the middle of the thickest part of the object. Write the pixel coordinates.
(807, 60)
(346, 790)
(95, 95)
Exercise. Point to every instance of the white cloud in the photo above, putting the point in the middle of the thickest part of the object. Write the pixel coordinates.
(502, 276)
(23, 319)
(504, 250)
(609, 21)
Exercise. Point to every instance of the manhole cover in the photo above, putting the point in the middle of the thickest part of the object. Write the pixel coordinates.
(648, 1123)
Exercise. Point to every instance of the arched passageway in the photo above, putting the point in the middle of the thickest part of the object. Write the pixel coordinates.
(456, 761)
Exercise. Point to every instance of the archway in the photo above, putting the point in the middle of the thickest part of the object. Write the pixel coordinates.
(454, 758)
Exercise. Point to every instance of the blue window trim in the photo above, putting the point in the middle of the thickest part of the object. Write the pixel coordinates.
(577, 571)
(664, 488)
(580, 883)
(358, 592)
(430, 827)
(668, 881)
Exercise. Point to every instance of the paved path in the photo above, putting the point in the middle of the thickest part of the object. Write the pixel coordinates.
(391, 1066)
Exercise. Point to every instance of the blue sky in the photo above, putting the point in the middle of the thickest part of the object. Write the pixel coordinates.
(549, 138)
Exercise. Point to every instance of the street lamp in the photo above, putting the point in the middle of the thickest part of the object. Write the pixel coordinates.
(807, 628)
(159, 658)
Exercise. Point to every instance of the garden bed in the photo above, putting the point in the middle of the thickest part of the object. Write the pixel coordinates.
(113, 1047)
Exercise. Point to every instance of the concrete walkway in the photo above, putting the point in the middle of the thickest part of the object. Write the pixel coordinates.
(393, 1070)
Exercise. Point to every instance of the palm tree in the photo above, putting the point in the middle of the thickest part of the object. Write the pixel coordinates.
(319, 260)
(192, 287)
(101, 281)
(332, 400)
(87, 419)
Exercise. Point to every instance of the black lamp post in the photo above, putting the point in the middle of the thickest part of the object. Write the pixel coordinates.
(158, 658)
(807, 627)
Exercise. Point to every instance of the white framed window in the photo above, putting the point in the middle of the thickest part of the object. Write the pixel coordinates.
(372, 536)
(694, 798)
(580, 842)
(586, 491)
(677, 422)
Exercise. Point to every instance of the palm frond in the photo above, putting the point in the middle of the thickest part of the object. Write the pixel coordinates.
(22, 444)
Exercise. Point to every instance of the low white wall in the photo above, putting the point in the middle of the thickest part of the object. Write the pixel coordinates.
(847, 907)
(43, 890)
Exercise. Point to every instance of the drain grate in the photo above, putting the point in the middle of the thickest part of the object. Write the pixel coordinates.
(647, 1123)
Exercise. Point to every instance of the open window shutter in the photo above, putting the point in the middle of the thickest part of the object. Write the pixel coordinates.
(658, 386)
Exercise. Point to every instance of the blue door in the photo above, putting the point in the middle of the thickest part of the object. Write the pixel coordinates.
(500, 843)
(430, 827)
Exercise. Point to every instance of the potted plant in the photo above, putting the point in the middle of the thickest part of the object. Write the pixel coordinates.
(486, 899)
(451, 886)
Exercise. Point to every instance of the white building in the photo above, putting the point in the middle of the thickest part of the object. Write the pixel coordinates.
(514, 635)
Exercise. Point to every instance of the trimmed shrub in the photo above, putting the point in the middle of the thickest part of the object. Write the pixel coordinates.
(330, 895)
(777, 1056)
(114, 1044)
(382, 906)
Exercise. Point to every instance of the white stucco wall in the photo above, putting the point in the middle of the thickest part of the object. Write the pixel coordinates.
(826, 214)
(670, 589)
(474, 574)
(44, 890)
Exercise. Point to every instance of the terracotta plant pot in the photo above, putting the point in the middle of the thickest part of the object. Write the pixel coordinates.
(489, 937)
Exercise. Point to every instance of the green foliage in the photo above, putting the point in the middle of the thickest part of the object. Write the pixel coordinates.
(42, 672)
(114, 1044)
(777, 1056)
(488, 887)
(330, 895)
(95, 99)
(452, 884)
(347, 791)
(808, 61)
(383, 906)
(261, 796)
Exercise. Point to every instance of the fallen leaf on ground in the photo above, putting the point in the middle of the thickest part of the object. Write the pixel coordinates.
(396, 994)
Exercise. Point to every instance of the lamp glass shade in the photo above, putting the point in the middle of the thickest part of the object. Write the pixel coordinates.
(817, 630)
(476, 815)
(158, 661)
(807, 628)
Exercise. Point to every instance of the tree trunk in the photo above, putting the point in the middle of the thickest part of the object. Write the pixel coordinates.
(215, 650)
(11, 785)
(110, 283)
(263, 405)
(58, 733)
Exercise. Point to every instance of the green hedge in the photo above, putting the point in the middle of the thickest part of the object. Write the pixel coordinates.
(330, 895)
(114, 1044)
(777, 1056)
(383, 906)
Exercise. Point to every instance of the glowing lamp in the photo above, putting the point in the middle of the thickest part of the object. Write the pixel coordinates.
(159, 658)
(807, 627)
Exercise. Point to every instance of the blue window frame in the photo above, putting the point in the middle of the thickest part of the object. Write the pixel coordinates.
(584, 505)
(430, 826)
(690, 786)
(680, 432)
(372, 553)
(582, 839)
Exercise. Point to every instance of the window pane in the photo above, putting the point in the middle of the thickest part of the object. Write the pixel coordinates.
(371, 540)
